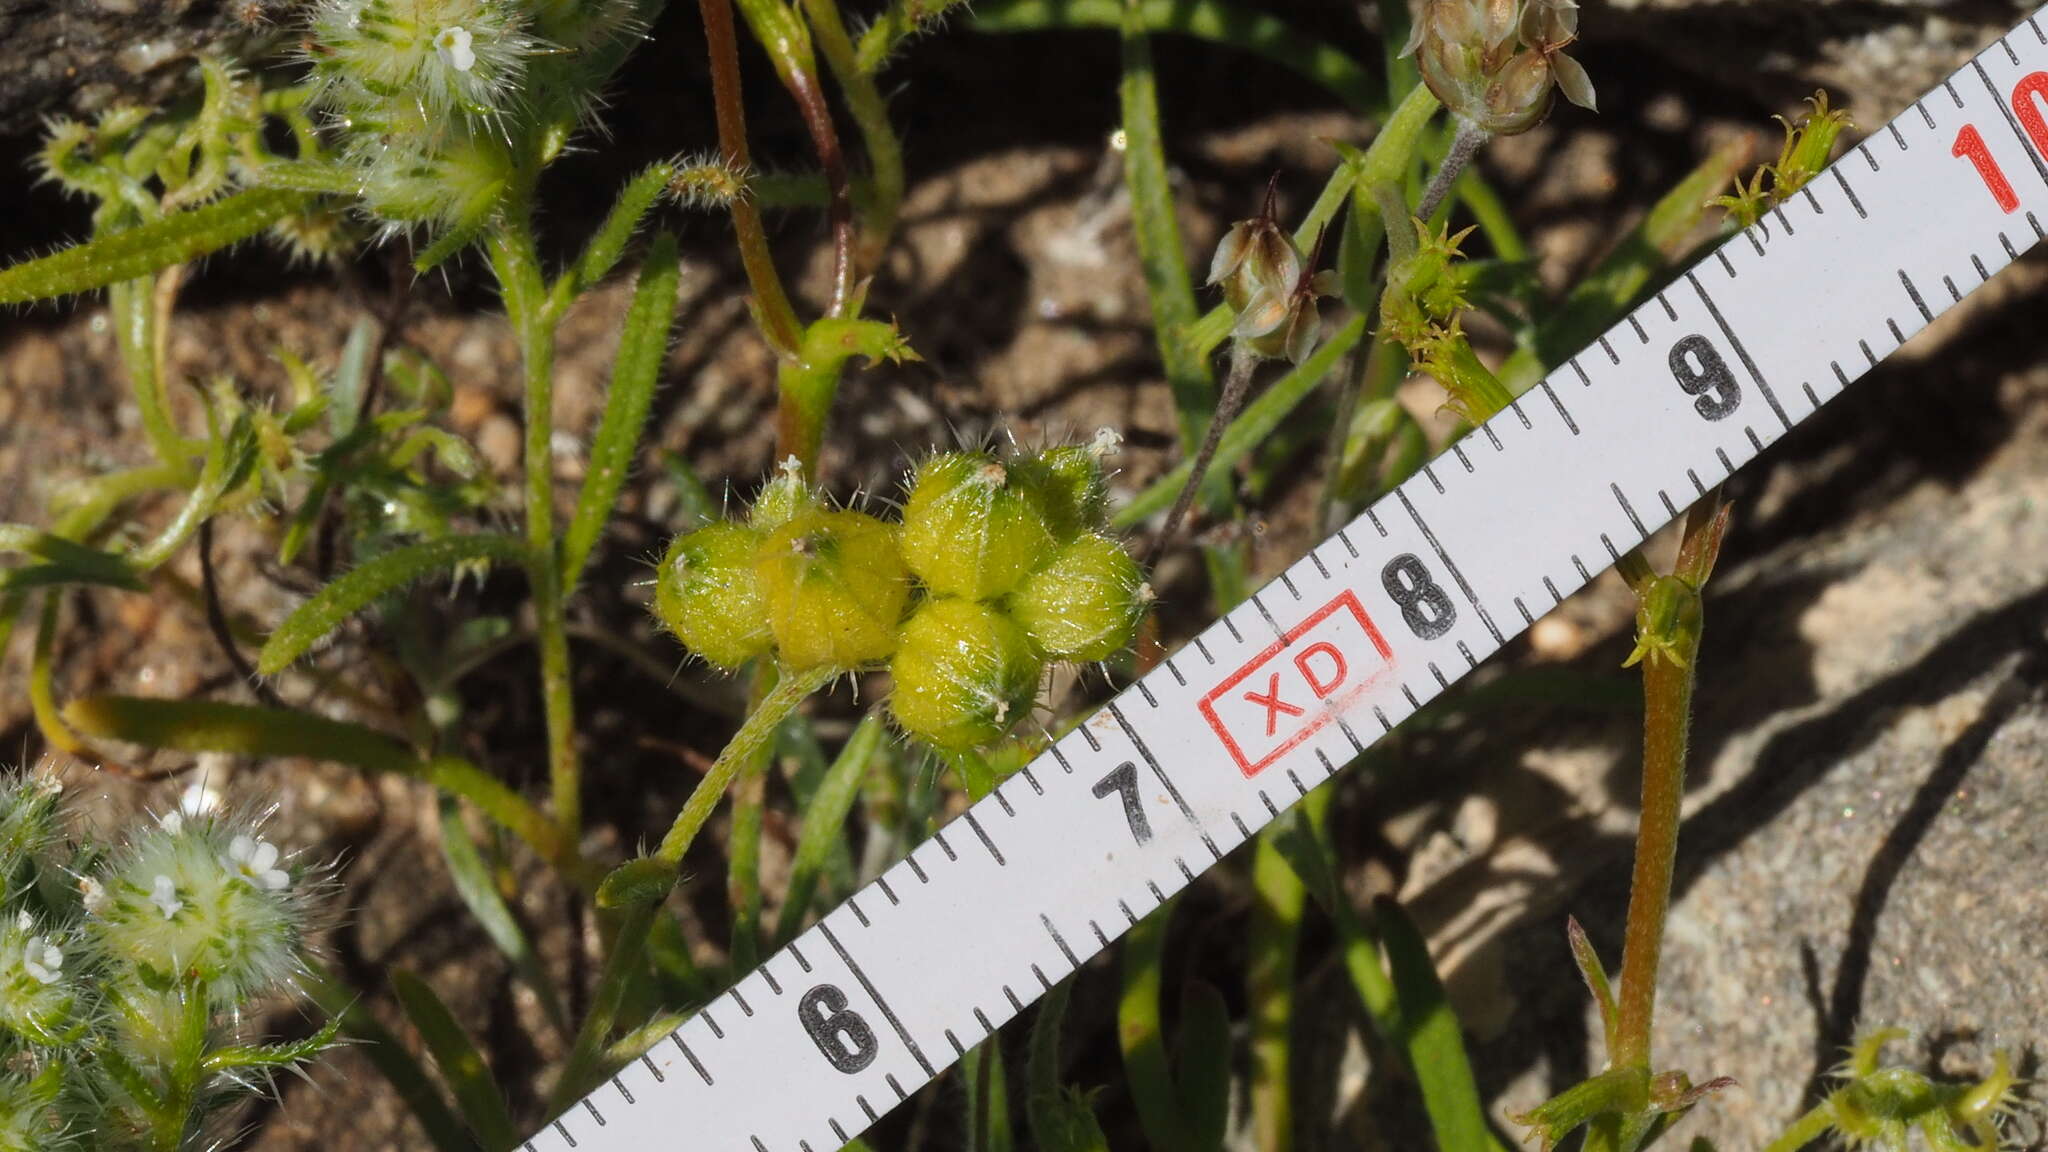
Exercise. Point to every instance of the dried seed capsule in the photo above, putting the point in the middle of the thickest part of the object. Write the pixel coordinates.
(970, 529)
(707, 594)
(835, 587)
(1085, 604)
(964, 673)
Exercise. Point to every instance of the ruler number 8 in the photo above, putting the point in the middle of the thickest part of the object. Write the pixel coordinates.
(841, 1034)
(1706, 377)
(1424, 604)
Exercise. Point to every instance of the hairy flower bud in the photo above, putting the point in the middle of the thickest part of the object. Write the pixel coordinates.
(835, 587)
(971, 529)
(963, 674)
(1085, 604)
(782, 498)
(707, 594)
(1072, 489)
(447, 57)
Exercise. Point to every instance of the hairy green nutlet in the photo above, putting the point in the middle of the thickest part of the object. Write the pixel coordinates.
(835, 586)
(964, 673)
(1072, 490)
(707, 594)
(1086, 603)
(971, 528)
(782, 498)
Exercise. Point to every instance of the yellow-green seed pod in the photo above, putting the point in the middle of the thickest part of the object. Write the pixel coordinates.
(970, 529)
(706, 594)
(835, 587)
(1086, 603)
(964, 673)
(1072, 490)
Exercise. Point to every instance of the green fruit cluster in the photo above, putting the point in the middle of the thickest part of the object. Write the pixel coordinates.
(999, 567)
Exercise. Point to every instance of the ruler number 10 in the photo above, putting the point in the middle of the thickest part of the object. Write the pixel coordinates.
(842, 1035)
(2027, 99)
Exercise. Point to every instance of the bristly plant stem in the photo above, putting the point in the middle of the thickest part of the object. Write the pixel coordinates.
(1464, 145)
(516, 261)
(871, 114)
(778, 320)
(1669, 673)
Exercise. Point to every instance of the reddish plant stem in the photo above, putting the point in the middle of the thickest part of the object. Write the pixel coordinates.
(778, 319)
(810, 100)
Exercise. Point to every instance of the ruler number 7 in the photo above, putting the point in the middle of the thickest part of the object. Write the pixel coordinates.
(842, 1035)
(1123, 780)
(2027, 98)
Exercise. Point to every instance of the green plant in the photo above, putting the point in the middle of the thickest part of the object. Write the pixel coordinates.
(128, 967)
(425, 127)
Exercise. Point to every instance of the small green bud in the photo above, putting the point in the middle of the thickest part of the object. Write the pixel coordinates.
(964, 673)
(835, 587)
(970, 529)
(782, 498)
(706, 593)
(1086, 603)
(1668, 620)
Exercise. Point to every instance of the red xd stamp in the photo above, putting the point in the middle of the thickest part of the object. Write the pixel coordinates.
(1288, 692)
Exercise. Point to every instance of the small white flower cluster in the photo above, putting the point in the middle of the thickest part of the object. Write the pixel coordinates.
(106, 953)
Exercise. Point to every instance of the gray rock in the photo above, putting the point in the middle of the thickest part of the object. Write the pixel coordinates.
(77, 57)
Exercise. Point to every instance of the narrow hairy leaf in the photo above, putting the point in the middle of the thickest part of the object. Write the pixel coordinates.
(1156, 227)
(148, 247)
(643, 343)
(391, 1059)
(1430, 1035)
(462, 1066)
(63, 561)
(609, 242)
(272, 1056)
(246, 730)
(1242, 27)
(1595, 975)
(824, 822)
(479, 892)
(312, 621)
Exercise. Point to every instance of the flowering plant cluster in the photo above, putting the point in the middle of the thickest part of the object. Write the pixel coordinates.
(127, 973)
(999, 566)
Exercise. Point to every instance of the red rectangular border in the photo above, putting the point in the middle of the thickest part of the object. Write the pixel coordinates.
(1326, 709)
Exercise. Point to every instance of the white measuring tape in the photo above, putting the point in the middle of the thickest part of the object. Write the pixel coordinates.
(897, 983)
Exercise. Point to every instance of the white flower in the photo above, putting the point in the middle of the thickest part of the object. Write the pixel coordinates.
(455, 43)
(42, 960)
(164, 894)
(172, 822)
(24, 921)
(1107, 441)
(92, 893)
(198, 799)
(256, 860)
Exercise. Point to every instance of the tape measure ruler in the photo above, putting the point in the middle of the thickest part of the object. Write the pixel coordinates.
(928, 960)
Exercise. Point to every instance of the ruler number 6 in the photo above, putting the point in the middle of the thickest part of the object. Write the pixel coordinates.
(1706, 377)
(1124, 782)
(1425, 606)
(841, 1034)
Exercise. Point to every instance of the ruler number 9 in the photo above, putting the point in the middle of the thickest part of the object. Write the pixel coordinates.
(1425, 606)
(842, 1035)
(1706, 377)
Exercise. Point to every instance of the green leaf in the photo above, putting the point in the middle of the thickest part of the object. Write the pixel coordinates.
(824, 822)
(638, 882)
(609, 242)
(1156, 227)
(405, 1075)
(247, 730)
(64, 562)
(988, 1099)
(479, 891)
(1202, 1056)
(1142, 1038)
(643, 344)
(462, 1066)
(149, 247)
(1595, 975)
(312, 621)
(272, 1056)
(1430, 1035)
(1247, 29)
(1060, 1117)
(1252, 426)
